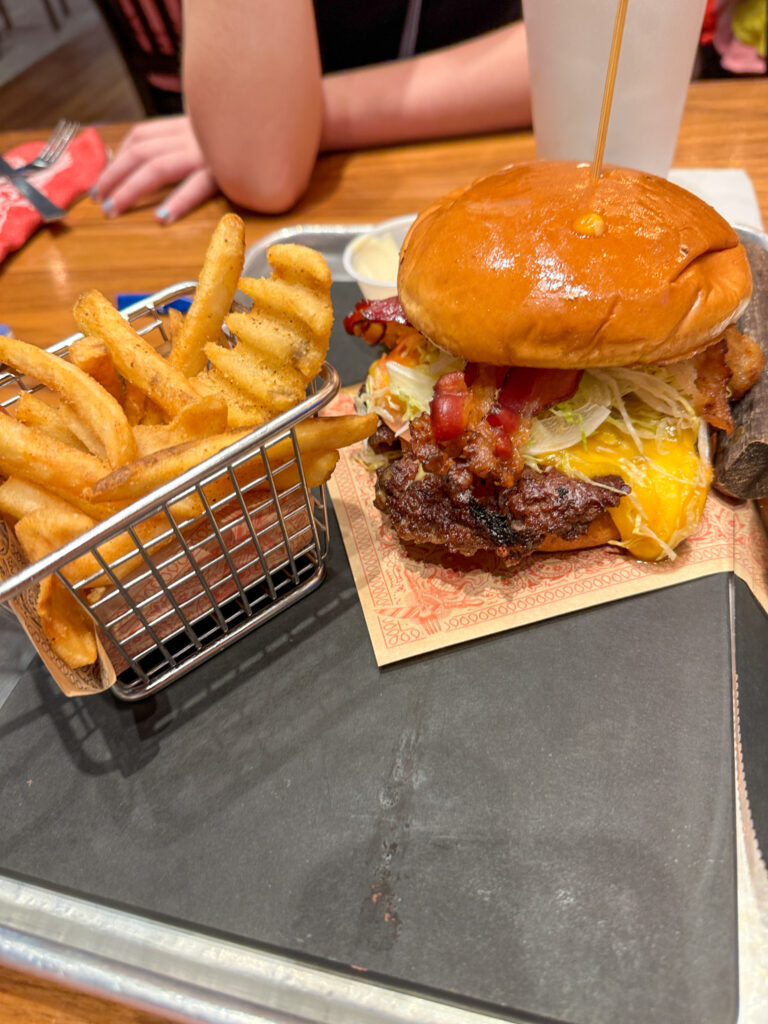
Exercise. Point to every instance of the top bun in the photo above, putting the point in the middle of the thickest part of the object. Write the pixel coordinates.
(514, 270)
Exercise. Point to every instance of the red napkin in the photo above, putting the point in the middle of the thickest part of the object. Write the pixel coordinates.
(73, 174)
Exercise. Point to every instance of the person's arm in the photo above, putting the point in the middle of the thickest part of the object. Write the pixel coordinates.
(262, 111)
(253, 91)
(471, 87)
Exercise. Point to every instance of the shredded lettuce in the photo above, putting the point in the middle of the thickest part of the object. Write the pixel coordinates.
(399, 391)
(415, 385)
(644, 403)
(570, 422)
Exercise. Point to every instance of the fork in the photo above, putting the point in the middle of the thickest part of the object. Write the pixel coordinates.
(59, 139)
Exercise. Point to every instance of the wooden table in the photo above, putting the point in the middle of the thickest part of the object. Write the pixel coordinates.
(723, 126)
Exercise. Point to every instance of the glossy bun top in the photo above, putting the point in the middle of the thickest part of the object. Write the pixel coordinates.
(538, 265)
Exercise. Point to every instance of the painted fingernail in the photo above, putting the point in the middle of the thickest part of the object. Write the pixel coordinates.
(164, 214)
(108, 207)
(94, 192)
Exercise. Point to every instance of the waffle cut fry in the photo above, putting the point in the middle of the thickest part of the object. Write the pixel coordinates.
(282, 342)
(213, 298)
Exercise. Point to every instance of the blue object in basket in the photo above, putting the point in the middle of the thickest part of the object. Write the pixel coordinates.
(6, 330)
(125, 299)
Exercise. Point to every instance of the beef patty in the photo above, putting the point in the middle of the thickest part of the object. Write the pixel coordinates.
(460, 512)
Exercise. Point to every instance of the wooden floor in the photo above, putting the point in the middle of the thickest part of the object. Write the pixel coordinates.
(85, 79)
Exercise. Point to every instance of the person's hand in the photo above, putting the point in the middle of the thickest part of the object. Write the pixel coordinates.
(154, 154)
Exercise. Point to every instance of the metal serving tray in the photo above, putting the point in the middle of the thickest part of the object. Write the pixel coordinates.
(540, 826)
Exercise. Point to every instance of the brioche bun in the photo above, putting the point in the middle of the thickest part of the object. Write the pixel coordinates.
(506, 270)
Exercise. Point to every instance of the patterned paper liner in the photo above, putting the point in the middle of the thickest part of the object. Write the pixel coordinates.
(412, 605)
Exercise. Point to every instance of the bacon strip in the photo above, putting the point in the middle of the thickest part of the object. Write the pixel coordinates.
(378, 320)
(721, 373)
(712, 377)
(745, 359)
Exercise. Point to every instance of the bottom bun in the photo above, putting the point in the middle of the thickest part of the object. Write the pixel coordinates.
(600, 532)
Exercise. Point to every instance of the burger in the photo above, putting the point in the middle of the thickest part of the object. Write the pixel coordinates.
(555, 358)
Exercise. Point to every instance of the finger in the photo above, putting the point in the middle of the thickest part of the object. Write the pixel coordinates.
(199, 186)
(155, 174)
(129, 158)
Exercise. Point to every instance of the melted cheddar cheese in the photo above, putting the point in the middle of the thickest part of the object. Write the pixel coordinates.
(669, 482)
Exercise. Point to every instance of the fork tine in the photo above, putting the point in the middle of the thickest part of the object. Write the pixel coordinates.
(52, 140)
(71, 129)
(60, 138)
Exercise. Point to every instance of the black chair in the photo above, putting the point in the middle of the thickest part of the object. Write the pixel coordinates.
(53, 16)
(145, 57)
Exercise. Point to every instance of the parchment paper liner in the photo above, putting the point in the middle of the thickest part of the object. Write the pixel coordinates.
(146, 592)
(72, 682)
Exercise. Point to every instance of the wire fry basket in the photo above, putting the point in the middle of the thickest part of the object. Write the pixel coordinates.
(197, 563)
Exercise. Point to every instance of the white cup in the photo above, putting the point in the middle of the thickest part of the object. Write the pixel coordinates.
(569, 43)
(384, 285)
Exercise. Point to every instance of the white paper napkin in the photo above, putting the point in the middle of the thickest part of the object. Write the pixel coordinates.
(728, 189)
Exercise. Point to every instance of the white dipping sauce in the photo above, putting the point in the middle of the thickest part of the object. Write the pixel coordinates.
(376, 257)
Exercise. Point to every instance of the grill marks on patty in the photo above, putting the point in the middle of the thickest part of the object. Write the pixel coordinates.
(455, 510)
